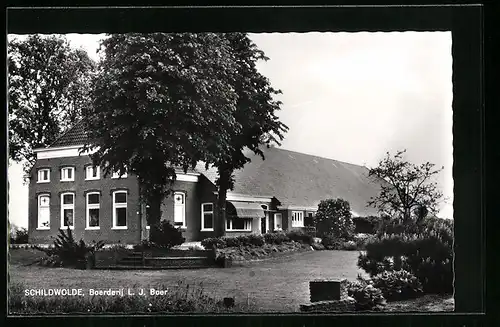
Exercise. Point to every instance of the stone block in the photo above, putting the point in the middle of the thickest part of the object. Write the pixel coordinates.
(324, 290)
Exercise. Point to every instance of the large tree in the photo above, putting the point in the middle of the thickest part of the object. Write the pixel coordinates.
(256, 114)
(49, 84)
(409, 191)
(161, 102)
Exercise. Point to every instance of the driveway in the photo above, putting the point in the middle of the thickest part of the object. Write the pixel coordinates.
(276, 285)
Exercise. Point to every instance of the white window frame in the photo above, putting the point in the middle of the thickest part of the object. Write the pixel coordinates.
(40, 174)
(116, 176)
(89, 170)
(39, 206)
(88, 207)
(297, 218)
(246, 228)
(119, 205)
(275, 225)
(183, 226)
(203, 212)
(65, 207)
(64, 177)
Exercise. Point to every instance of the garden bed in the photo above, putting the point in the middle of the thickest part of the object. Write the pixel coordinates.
(254, 253)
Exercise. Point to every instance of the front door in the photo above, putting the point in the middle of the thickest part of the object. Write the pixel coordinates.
(263, 225)
(277, 221)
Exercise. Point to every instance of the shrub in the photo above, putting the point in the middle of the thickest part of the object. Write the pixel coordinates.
(144, 245)
(276, 238)
(231, 242)
(366, 225)
(166, 235)
(310, 230)
(300, 236)
(363, 239)
(18, 236)
(367, 296)
(256, 240)
(334, 217)
(209, 243)
(397, 285)
(331, 242)
(349, 246)
(427, 254)
(67, 251)
(318, 246)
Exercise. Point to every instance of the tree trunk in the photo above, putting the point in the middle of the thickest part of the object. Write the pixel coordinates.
(153, 211)
(223, 187)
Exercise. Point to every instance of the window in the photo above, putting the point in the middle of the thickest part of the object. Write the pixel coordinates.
(92, 172)
(93, 210)
(278, 221)
(239, 224)
(67, 174)
(43, 175)
(120, 210)
(207, 217)
(179, 209)
(117, 175)
(297, 219)
(43, 211)
(67, 210)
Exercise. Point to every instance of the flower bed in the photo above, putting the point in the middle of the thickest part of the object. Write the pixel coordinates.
(247, 253)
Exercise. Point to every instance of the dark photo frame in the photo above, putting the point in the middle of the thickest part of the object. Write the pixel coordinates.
(466, 24)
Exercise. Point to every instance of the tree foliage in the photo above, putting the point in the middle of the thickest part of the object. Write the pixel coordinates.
(408, 192)
(49, 84)
(333, 218)
(162, 101)
(256, 113)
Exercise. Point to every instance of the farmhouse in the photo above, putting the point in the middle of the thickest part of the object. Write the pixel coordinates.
(281, 192)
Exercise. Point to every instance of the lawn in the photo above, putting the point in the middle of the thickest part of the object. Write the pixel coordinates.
(275, 285)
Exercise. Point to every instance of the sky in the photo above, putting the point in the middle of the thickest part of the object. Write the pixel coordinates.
(346, 96)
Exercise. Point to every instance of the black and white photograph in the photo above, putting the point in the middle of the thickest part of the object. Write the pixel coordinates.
(228, 173)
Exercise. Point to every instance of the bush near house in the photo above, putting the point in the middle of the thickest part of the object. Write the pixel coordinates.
(67, 252)
(424, 249)
(255, 240)
(333, 218)
(276, 238)
(366, 225)
(165, 235)
(18, 236)
(300, 236)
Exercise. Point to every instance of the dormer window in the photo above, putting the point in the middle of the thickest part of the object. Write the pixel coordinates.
(92, 172)
(67, 174)
(43, 175)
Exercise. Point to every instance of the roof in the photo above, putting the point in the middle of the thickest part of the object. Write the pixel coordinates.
(75, 135)
(302, 180)
(293, 178)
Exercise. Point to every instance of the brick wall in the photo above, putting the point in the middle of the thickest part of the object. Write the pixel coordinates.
(80, 187)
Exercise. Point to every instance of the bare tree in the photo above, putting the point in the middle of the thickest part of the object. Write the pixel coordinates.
(409, 192)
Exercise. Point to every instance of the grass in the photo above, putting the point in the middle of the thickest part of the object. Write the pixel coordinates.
(430, 302)
(182, 299)
(275, 285)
